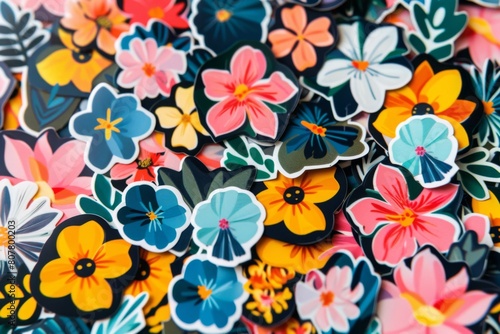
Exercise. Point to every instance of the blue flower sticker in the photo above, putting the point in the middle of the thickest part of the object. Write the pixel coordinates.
(112, 126)
(220, 24)
(425, 145)
(205, 297)
(227, 225)
(152, 217)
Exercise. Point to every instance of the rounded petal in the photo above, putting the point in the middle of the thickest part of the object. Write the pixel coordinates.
(472, 307)
(226, 116)
(248, 65)
(442, 90)
(393, 243)
(185, 136)
(317, 32)
(282, 42)
(92, 293)
(169, 117)
(294, 18)
(304, 56)
(379, 43)
(57, 278)
(335, 72)
(112, 260)
(367, 91)
(80, 241)
(396, 316)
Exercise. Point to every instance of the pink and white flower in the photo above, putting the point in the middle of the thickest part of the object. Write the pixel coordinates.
(404, 221)
(55, 7)
(424, 300)
(149, 69)
(242, 92)
(329, 302)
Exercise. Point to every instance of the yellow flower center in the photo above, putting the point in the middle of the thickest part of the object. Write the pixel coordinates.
(107, 125)
(327, 298)
(203, 292)
(316, 129)
(223, 15)
(406, 218)
(429, 316)
(84, 267)
(241, 92)
(4, 236)
(156, 13)
(104, 22)
(149, 69)
(145, 163)
(151, 215)
(360, 65)
(488, 107)
(186, 119)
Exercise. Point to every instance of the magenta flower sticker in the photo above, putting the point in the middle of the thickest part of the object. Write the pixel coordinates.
(245, 91)
(397, 222)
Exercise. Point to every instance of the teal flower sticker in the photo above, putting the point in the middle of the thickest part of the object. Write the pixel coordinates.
(425, 145)
(112, 126)
(227, 225)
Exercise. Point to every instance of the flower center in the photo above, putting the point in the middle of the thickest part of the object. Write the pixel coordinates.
(4, 237)
(151, 215)
(149, 69)
(495, 232)
(406, 218)
(81, 57)
(223, 15)
(156, 13)
(203, 292)
(294, 195)
(266, 300)
(145, 163)
(326, 298)
(107, 125)
(223, 224)
(429, 316)
(360, 65)
(488, 107)
(186, 118)
(316, 129)
(104, 22)
(84, 267)
(241, 92)
(422, 109)
(143, 271)
(420, 150)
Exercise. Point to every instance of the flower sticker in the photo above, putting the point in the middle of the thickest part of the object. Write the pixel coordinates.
(112, 128)
(170, 12)
(301, 210)
(206, 297)
(227, 225)
(244, 91)
(217, 25)
(368, 61)
(150, 69)
(425, 145)
(314, 139)
(178, 118)
(25, 225)
(397, 223)
(83, 269)
(152, 217)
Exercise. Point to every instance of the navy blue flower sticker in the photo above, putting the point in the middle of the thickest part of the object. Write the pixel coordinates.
(112, 126)
(206, 297)
(152, 217)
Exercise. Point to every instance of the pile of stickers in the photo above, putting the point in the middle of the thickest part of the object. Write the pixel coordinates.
(250, 166)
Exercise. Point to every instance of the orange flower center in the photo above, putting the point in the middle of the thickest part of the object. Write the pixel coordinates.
(488, 107)
(145, 163)
(186, 118)
(104, 22)
(406, 218)
(326, 298)
(4, 237)
(203, 292)
(241, 92)
(360, 65)
(316, 129)
(156, 13)
(151, 215)
(223, 15)
(149, 69)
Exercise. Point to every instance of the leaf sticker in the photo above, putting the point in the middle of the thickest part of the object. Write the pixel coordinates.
(468, 250)
(475, 170)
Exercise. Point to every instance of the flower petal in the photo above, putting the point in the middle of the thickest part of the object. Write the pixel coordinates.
(168, 117)
(80, 241)
(335, 72)
(248, 65)
(92, 293)
(219, 84)
(317, 32)
(390, 75)
(294, 18)
(112, 259)
(392, 243)
(379, 43)
(226, 116)
(57, 278)
(367, 91)
(282, 42)
(185, 136)
(304, 56)
(262, 119)
(19, 155)
(436, 230)
(473, 306)
(442, 90)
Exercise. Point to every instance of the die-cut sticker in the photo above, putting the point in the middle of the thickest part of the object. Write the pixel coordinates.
(170, 12)
(218, 25)
(368, 61)
(300, 210)
(82, 259)
(112, 127)
(300, 38)
(245, 91)
(152, 217)
(6, 88)
(470, 251)
(227, 225)
(314, 139)
(425, 146)
(489, 208)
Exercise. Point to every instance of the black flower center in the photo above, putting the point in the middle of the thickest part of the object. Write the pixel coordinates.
(495, 234)
(84, 267)
(422, 109)
(143, 271)
(293, 195)
(81, 57)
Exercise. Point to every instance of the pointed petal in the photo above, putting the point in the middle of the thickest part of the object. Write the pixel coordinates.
(442, 90)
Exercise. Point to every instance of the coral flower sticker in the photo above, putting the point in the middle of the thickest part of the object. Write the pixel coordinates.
(245, 91)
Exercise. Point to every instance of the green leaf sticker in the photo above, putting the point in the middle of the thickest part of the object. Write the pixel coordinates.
(475, 170)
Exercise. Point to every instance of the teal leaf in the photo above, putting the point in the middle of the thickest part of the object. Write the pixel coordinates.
(103, 189)
(89, 205)
(238, 145)
(416, 43)
(442, 53)
(256, 155)
(468, 250)
(475, 170)
(421, 17)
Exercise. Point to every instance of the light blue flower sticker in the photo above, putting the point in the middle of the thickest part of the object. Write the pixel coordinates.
(205, 297)
(425, 145)
(112, 126)
(227, 225)
(151, 216)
